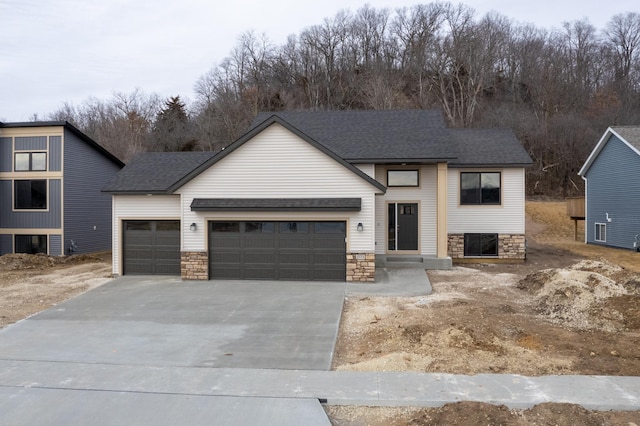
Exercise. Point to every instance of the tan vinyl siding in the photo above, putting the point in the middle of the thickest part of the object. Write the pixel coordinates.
(506, 218)
(424, 195)
(128, 207)
(278, 164)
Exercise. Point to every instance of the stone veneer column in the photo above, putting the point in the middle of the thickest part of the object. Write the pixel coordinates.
(194, 265)
(361, 267)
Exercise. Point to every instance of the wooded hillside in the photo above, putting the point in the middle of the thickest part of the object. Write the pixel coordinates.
(557, 89)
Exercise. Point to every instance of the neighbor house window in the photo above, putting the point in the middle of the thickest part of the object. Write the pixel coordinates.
(480, 188)
(480, 244)
(31, 244)
(31, 161)
(402, 178)
(30, 194)
(601, 232)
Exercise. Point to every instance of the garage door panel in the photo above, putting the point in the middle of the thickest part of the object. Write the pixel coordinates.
(329, 243)
(257, 242)
(134, 268)
(167, 240)
(135, 238)
(260, 257)
(292, 274)
(295, 258)
(260, 273)
(327, 258)
(225, 257)
(327, 273)
(151, 247)
(278, 250)
(227, 242)
(226, 272)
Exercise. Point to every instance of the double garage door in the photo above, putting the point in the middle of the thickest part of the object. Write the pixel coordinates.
(277, 250)
(313, 251)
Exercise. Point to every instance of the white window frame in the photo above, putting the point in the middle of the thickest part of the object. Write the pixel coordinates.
(598, 232)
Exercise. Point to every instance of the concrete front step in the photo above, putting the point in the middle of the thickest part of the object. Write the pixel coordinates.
(413, 261)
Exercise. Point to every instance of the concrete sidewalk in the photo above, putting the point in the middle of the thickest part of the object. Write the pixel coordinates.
(405, 282)
(330, 387)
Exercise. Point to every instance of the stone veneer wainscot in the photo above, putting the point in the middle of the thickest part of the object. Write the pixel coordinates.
(511, 247)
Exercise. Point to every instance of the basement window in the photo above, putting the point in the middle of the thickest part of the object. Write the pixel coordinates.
(479, 245)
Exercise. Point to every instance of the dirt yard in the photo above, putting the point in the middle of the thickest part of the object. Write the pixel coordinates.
(32, 283)
(569, 309)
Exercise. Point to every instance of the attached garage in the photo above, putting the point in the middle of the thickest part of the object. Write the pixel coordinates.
(151, 247)
(271, 250)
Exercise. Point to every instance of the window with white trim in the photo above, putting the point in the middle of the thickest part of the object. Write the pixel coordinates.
(31, 244)
(601, 232)
(480, 188)
(30, 162)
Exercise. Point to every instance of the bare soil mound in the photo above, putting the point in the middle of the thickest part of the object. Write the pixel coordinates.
(590, 295)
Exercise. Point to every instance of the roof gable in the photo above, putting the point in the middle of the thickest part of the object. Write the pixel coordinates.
(273, 119)
(629, 135)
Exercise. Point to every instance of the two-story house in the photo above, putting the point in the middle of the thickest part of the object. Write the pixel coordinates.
(51, 175)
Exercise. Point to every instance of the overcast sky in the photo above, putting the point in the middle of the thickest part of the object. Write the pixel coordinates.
(56, 51)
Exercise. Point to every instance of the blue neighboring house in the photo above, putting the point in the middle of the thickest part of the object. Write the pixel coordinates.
(50, 179)
(612, 186)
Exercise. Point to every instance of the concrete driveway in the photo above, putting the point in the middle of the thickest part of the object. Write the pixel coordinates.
(163, 321)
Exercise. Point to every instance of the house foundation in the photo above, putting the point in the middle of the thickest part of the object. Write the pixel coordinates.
(511, 248)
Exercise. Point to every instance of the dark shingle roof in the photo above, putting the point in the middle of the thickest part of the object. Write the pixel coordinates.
(404, 136)
(488, 147)
(349, 137)
(156, 172)
(366, 136)
(631, 134)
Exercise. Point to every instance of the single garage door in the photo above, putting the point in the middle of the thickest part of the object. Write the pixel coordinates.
(278, 250)
(151, 247)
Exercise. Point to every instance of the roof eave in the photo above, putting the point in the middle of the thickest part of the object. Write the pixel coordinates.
(400, 160)
(596, 151)
(136, 192)
(494, 165)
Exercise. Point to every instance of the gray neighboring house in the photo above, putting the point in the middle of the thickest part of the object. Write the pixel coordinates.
(612, 189)
(324, 195)
(51, 175)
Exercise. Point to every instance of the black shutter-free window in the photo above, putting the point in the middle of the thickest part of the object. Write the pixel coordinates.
(30, 194)
(480, 188)
(480, 244)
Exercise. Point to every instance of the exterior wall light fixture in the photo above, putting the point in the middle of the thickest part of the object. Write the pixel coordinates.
(360, 228)
(193, 227)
